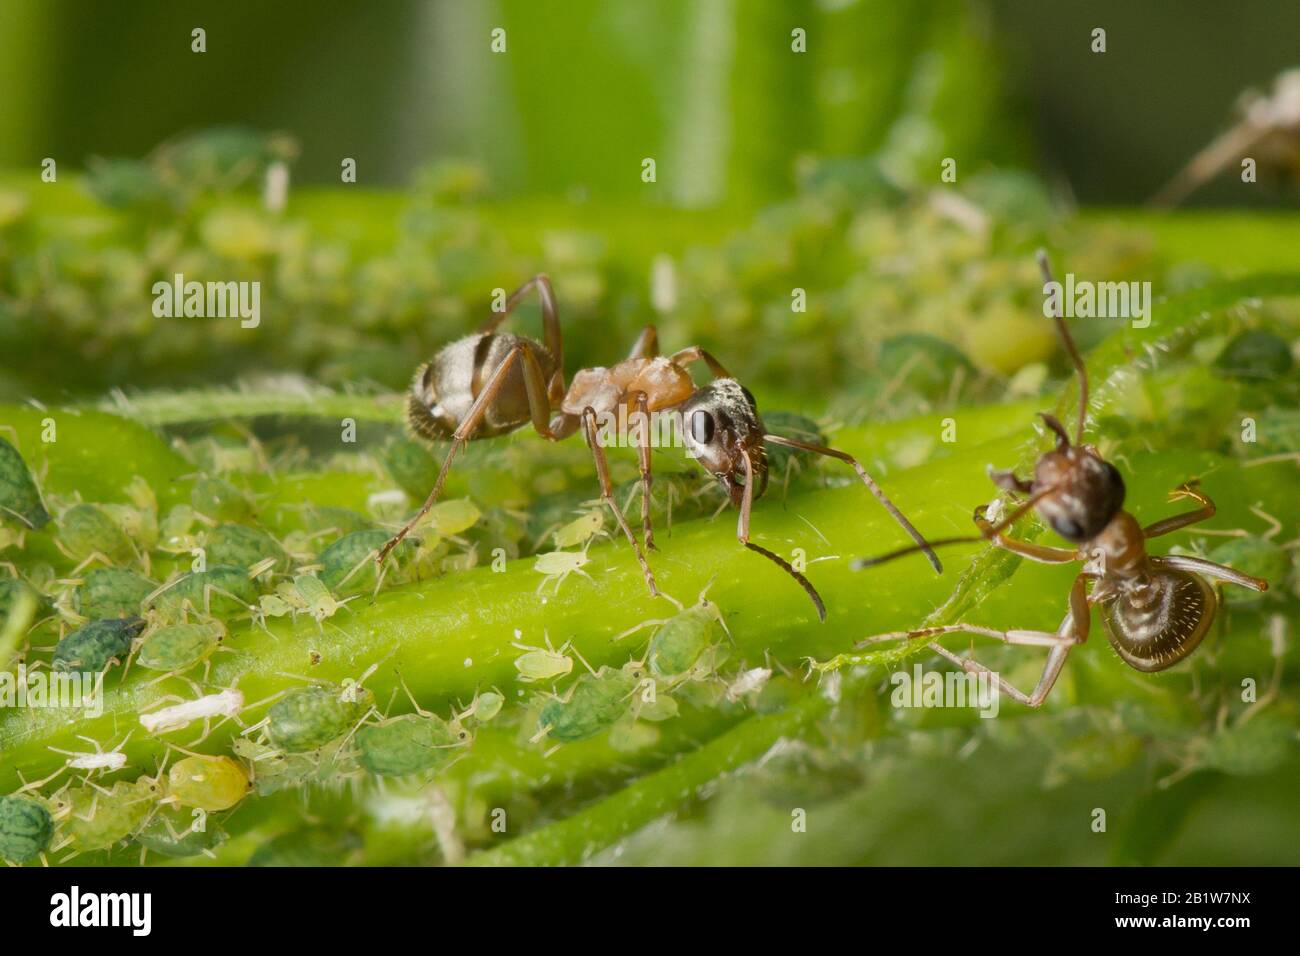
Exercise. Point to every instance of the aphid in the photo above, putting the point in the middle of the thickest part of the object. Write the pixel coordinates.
(748, 682)
(26, 829)
(1156, 609)
(93, 818)
(310, 717)
(221, 591)
(272, 769)
(594, 703)
(178, 647)
(680, 640)
(1257, 555)
(87, 533)
(240, 546)
(207, 782)
(219, 500)
(411, 743)
(20, 500)
(558, 565)
(347, 565)
(178, 833)
(176, 530)
(580, 529)
(492, 383)
(93, 647)
(227, 704)
(484, 707)
(1268, 130)
(538, 664)
(111, 592)
(104, 761)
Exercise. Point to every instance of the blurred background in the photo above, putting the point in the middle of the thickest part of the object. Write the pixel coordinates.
(709, 88)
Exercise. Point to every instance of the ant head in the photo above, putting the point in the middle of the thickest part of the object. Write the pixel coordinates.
(720, 427)
(1078, 491)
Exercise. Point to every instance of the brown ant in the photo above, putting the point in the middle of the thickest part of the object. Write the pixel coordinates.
(491, 383)
(1156, 609)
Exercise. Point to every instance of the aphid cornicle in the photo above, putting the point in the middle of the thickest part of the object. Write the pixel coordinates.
(492, 383)
(1156, 609)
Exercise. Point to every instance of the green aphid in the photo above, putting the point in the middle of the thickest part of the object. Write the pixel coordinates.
(782, 460)
(243, 546)
(411, 466)
(680, 642)
(273, 770)
(93, 647)
(1259, 557)
(111, 592)
(98, 818)
(310, 717)
(341, 521)
(485, 706)
(348, 564)
(220, 500)
(929, 365)
(179, 833)
(221, 158)
(409, 744)
(26, 829)
(1255, 354)
(87, 529)
(221, 591)
(20, 501)
(178, 647)
(1278, 430)
(592, 705)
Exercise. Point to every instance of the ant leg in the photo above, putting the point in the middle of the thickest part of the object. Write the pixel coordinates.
(1206, 164)
(696, 354)
(550, 317)
(1073, 630)
(646, 344)
(643, 460)
(1190, 489)
(1026, 549)
(871, 485)
(1180, 562)
(742, 532)
(538, 407)
(607, 493)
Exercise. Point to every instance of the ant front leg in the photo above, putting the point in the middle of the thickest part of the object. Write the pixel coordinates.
(607, 493)
(646, 344)
(742, 533)
(539, 408)
(1073, 630)
(1190, 489)
(696, 354)
(1026, 549)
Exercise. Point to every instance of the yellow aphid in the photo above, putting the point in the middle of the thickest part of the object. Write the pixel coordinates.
(558, 565)
(453, 517)
(579, 529)
(208, 783)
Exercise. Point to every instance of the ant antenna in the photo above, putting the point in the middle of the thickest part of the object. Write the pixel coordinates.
(994, 530)
(1061, 327)
(803, 581)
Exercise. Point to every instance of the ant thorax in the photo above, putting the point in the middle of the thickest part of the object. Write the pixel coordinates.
(1119, 551)
(664, 384)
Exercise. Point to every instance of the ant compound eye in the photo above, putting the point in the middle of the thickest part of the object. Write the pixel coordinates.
(702, 427)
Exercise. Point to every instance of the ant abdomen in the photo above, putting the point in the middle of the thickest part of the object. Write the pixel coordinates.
(1156, 625)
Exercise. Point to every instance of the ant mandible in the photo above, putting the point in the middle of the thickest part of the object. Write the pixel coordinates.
(1156, 609)
(491, 383)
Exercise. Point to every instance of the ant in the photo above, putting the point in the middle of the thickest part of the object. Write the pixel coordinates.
(1156, 609)
(491, 383)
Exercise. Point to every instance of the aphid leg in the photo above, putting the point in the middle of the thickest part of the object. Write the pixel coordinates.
(539, 406)
(643, 461)
(1190, 489)
(1180, 562)
(606, 493)
(871, 486)
(1073, 630)
(1026, 549)
(742, 532)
